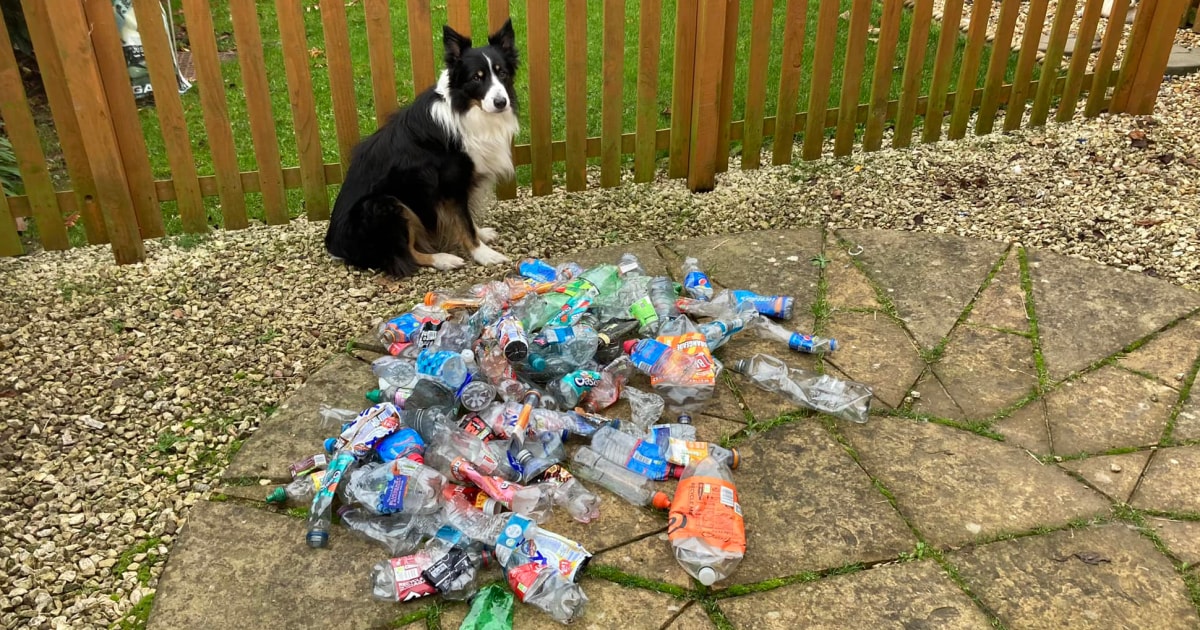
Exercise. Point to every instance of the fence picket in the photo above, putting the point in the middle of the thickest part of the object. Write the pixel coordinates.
(968, 75)
(706, 97)
(1142, 90)
(10, 240)
(649, 43)
(577, 104)
(943, 64)
(856, 57)
(1085, 36)
(881, 81)
(756, 83)
(789, 81)
(681, 87)
(1063, 16)
(248, 38)
(27, 147)
(59, 99)
(612, 106)
(997, 66)
(341, 77)
(537, 13)
(379, 51)
(304, 110)
(216, 113)
(914, 64)
(819, 84)
(497, 14)
(728, 70)
(1114, 31)
(458, 15)
(1035, 21)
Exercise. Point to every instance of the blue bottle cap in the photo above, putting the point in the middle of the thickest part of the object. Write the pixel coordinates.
(329, 444)
(317, 539)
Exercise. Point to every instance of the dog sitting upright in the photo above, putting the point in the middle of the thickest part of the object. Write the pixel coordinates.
(418, 186)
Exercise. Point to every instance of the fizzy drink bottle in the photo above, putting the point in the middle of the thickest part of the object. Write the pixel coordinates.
(705, 525)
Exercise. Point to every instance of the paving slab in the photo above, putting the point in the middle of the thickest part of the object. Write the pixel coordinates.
(235, 564)
(1187, 423)
(1107, 409)
(985, 370)
(845, 286)
(1087, 578)
(652, 558)
(934, 400)
(956, 487)
(1087, 311)
(930, 277)
(1026, 428)
(1070, 45)
(1171, 482)
(763, 405)
(1170, 355)
(296, 430)
(1114, 475)
(692, 618)
(1183, 60)
(910, 595)
(1002, 303)
(619, 522)
(1181, 537)
(874, 349)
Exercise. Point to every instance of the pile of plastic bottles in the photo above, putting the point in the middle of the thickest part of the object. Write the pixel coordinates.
(464, 453)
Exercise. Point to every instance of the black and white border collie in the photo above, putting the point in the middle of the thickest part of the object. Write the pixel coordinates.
(418, 186)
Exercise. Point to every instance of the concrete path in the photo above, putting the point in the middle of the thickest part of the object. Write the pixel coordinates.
(1033, 461)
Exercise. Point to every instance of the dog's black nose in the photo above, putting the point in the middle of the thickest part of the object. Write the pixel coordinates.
(500, 102)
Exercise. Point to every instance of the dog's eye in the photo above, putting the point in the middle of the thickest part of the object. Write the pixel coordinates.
(477, 77)
(502, 75)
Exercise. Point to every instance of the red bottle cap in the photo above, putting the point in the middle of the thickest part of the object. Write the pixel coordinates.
(628, 346)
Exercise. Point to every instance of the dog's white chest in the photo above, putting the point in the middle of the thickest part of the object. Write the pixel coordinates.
(487, 139)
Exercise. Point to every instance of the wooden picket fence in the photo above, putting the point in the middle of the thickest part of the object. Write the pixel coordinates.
(117, 199)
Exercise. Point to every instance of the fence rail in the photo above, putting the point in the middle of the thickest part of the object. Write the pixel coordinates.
(736, 76)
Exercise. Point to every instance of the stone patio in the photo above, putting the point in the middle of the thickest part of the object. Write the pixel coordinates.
(1033, 461)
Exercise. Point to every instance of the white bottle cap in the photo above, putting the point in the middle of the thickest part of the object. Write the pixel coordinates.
(707, 576)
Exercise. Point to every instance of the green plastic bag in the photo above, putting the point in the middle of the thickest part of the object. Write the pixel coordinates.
(492, 609)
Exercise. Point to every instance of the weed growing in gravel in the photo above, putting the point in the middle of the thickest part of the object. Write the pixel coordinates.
(126, 559)
(189, 241)
(919, 552)
(166, 441)
(136, 618)
(117, 325)
(269, 335)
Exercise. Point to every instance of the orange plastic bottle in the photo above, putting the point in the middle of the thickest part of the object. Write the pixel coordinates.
(705, 524)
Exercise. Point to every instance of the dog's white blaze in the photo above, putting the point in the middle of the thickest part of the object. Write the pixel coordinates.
(496, 90)
(485, 136)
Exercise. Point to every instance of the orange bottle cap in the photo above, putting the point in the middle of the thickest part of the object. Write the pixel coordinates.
(661, 500)
(737, 458)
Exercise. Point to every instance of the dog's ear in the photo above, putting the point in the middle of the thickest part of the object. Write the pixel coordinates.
(506, 41)
(454, 44)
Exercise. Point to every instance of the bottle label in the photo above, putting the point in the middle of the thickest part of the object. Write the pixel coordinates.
(409, 583)
(646, 461)
(400, 330)
(474, 425)
(308, 465)
(443, 573)
(434, 363)
(582, 381)
(556, 334)
(556, 474)
(557, 552)
(392, 499)
(429, 333)
(537, 269)
(683, 452)
(522, 578)
(403, 443)
(698, 285)
(502, 491)
(779, 306)
(707, 508)
(509, 330)
(627, 266)
(510, 539)
(801, 343)
(643, 311)
(694, 345)
(372, 425)
(646, 354)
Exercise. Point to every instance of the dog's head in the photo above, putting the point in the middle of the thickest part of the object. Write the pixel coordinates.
(482, 77)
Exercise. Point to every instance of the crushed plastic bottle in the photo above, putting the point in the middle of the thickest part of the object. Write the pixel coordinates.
(401, 485)
(644, 458)
(588, 465)
(571, 495)
(849, 400)
(647, 407)
(705, 525)
(544, 588)
(399, 534)
(299, 491)
(799, 342)
(695, 281)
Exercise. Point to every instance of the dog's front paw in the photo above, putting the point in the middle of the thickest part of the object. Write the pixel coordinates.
(446, 262)
(485, 255)
(487, 235)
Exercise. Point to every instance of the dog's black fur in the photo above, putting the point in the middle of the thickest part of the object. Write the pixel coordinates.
(411, 186)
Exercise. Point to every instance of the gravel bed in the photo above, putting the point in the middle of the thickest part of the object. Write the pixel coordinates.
(125, 390)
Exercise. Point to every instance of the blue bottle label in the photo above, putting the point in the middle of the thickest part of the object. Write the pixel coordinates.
(403, 328)
(537, 269)
(402, 443)
(647, 353)
(433, 363)
(697, 285)
(556, 334)
(645, 461)
(771, 305)
(511, 537)
(392, 498)
(582, 381)
(801, 342)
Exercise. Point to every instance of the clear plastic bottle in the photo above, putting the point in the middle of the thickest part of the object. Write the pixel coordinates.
(720, 330)
(544, 588)
(571, 495)
(849, 400)
(660, 360)
(629, 265)
(588, 465)
(448, 302)
(695, 281)
(401, 485)
(568, 389)
(299, 492)
(646, 408)
(642, 457)
(395, 370)
(400, 579)
(443, 366)
(800, 342)
(707, 534)
(476, 525)
(559, 349)
(607, 392)
(693, 392)
(398, 533)
(320, 513)
(683, 452)
(537, 269)
(532, 501)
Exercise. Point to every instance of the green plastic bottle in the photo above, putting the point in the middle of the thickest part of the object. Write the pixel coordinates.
(492, 609)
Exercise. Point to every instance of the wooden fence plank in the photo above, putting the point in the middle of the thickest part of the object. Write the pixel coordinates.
(27, 147)
(458, 15)
(50, 67)
(756, 82)
(856, 57)
(1079, 62)
(341, 76)
(728, 70)
(537, 13)
(1114, 31)
(881, 81)
(1152, 64)
(968, 75)
(1063, 16)
(382, 57)
(425, 66)
(87, 91)
(10, 240)
(706, 97)
(681, 87)
(304, 110)
(1134, 48)
(612, 107)
(169, 107)
(789, 80)
(216, 113)
(649, 43)
(943, 65)
(819, 84)
(998, 65)
(248, 38)
(914, 64)
(497, 14)
(577, 106)
(1035, 20)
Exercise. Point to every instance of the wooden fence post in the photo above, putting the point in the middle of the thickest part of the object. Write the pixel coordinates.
(681, 87)
(706, 95)
(1149, 49)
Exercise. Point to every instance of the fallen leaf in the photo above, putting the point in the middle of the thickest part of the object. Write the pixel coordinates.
(1148, 222)
(315, 52)
(1165, 158)
(1138, 140)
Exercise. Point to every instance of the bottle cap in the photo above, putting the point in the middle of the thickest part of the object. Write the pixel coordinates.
(661, 500)
(278, 495)
(375, 396)
(628, 346)
(329, 444)
(430, 298)
(832, 345)
(737, 458)
(317, 539)
(706, 575)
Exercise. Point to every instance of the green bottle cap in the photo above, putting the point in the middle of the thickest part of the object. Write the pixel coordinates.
(375, 396)
(278, 495)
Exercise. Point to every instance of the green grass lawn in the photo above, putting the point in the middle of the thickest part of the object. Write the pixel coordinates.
(405, 89)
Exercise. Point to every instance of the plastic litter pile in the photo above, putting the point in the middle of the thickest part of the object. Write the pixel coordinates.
(464, 453)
